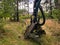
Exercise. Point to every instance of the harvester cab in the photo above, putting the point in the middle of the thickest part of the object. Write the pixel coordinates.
(35, 29)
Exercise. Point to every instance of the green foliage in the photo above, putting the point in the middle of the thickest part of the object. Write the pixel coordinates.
(46, 15)
(25, 16)
(56, 14)
(7, 8)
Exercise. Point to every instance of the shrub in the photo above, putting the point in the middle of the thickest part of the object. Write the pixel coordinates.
(56, 14)
(25, 16)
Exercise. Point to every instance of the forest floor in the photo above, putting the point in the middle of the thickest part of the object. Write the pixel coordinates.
(14, 33)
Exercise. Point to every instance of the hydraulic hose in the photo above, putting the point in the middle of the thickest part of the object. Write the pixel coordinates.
(43, 16)
(35, 13)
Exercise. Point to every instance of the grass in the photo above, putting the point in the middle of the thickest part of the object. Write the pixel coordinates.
(14, 34)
